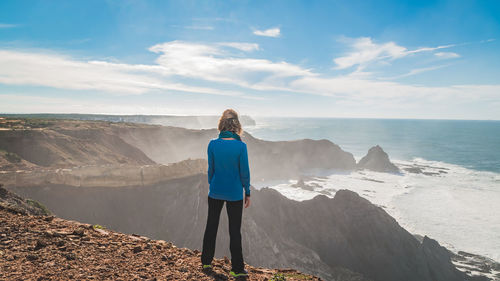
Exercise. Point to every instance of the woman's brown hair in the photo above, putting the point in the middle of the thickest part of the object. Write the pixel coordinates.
(229, 121)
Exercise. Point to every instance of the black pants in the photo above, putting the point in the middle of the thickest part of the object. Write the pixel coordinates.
(234, 213)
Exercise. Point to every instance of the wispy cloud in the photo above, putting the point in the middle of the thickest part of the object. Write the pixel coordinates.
(415, 71)
(200, 27)
(271, 32)
(364, 52)
(23, 68)
(447, 55)
(246, 47)
(216, 66)
(8, 25)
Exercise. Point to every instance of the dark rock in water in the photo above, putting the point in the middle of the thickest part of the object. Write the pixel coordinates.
(419, 169)
(13, 203)
(373, 180)
(377, 160)
(301, 184)
(414, 170)
(476, 264)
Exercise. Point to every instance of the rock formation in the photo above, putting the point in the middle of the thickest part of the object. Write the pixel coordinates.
(316, 236)
(377, 160)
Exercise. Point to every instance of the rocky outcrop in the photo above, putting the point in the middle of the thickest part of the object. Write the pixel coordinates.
(377, 160)
(316, 236)
(15, 204)
(482, 268)
(48, 248)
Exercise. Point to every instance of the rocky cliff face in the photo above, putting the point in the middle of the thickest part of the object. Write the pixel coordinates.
(377, 160)
(316, 236)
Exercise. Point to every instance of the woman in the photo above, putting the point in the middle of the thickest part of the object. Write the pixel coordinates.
(228, 176)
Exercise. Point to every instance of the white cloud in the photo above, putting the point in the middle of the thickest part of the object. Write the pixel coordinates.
(365, 51)
(7, 25)
(246, 47)
(271, 32)
(417, 71)
(447, 55)
(23, 68)
(208, 62)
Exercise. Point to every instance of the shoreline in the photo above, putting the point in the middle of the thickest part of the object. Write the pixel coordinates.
(392, 191)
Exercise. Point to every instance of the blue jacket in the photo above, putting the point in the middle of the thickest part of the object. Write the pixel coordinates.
(228, 171)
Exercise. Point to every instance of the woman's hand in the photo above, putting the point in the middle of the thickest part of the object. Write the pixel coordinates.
(247, 201)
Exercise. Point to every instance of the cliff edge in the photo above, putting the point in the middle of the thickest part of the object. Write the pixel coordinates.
(49, 248)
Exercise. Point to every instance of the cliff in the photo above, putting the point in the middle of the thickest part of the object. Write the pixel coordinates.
(316, 236)
(68, 144)
(268, 159)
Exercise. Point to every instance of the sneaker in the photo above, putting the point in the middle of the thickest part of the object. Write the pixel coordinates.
(239, 273)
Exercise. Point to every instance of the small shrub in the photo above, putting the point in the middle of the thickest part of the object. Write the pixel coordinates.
(97, 226)
(278, 277)
(38, 205)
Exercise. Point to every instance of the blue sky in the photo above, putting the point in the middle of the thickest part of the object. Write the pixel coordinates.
(374, 59)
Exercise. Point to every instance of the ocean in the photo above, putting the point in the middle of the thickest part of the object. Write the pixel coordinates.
(459, 208)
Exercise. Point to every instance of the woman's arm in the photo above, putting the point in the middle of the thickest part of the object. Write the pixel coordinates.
(210, 171)
(245, 170)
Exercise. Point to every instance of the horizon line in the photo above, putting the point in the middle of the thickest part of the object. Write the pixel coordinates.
(254, 116)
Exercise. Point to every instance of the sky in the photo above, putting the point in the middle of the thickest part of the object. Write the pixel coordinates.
(360, 59)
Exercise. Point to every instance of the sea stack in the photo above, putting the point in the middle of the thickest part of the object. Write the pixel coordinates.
(377, 160)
